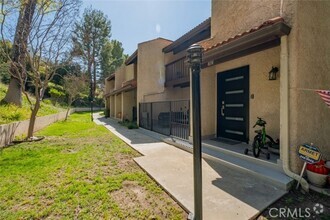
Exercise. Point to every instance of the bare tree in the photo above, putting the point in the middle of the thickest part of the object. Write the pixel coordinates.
(48, 43)
(75, 87)
(47, 47)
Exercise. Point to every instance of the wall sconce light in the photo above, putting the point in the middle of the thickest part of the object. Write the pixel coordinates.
(272, 73)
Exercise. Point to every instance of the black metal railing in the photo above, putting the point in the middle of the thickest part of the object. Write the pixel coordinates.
(176, 72)
(168, 118)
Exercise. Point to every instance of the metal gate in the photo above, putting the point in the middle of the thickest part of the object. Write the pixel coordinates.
(168, 117)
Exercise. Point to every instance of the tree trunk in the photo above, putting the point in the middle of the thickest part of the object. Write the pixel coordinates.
(94, 74)
(68, 110)
(18, 56)
(14, 93)
(67, 114)
(33, 118)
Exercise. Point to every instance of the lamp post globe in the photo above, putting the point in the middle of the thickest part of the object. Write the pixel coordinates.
(195, 55)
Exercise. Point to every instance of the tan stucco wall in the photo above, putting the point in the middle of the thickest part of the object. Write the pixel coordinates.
(169, 94)
(112, 106)
(232, 17)
(109, 86)
(208, 102)
(151, 70)
(266, 99)
(118, 106)
(129, 102)
(120, 76)
(309, 68)
(129, 72)
(151, 74)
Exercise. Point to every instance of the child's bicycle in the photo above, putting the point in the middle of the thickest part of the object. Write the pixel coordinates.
(262, 141)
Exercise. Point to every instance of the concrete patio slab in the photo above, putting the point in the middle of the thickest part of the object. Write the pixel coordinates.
(227, 193)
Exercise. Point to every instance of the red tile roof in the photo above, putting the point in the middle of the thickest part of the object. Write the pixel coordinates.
(211, 44)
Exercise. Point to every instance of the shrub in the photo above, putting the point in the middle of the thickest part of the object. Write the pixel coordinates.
(129, 124)
(4, 73)
(132, 125)
(47, 101)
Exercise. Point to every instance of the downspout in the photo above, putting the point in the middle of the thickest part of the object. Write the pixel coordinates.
(284, 114)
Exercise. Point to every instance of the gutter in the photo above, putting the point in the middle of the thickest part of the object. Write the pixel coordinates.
(284, 114)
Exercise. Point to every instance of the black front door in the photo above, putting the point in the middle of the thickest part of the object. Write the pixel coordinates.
(233, 104)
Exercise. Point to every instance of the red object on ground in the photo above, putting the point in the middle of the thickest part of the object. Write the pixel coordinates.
(318, 168)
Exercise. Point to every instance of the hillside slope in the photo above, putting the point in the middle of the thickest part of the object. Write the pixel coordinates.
(11, 113)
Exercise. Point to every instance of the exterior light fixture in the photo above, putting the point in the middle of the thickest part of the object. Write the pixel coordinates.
(195, 60)
(272, 73)
(195, 55)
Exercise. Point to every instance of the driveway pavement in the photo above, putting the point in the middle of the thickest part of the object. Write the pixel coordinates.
(227, 193)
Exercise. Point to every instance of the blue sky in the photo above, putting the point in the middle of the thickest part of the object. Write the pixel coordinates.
(137, 21)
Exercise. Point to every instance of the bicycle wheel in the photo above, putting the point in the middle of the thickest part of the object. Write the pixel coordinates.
(256, 146)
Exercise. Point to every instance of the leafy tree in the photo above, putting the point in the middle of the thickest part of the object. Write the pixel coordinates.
(56, 92)
(67, 69)
(5, 49)
(112, 57)
(89, 36)
(4, 73)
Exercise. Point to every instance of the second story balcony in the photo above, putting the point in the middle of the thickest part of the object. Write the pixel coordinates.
(177, 74)
(131, 83)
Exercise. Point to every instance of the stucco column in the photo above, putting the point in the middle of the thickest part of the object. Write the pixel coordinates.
(284, 100)
(284, 114)
(110, 104)
(122, 106)
(115, 107)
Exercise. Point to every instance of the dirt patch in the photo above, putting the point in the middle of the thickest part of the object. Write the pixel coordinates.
(299, 205)
(132, 197)
(125, 163)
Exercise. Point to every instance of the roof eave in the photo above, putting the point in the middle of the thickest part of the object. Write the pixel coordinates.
(111, 77)
(131, 59)
(204, 26)
(264, 36)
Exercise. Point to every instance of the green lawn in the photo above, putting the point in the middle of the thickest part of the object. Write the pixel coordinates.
(79, 171)
(11, 113)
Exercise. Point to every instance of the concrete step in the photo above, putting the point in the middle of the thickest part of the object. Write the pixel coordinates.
(264, 170)
(273, 164)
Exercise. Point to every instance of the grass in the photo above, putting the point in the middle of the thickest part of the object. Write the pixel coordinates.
(79, 171)
(11, 113)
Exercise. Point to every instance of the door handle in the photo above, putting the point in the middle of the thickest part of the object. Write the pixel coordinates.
(223, 109)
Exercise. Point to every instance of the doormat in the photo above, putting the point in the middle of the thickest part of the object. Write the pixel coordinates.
(226, 141)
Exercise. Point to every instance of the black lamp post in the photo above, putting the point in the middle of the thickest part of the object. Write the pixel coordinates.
(195, 60)
(91, 98)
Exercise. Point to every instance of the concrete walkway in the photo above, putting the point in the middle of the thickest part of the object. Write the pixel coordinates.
(227, 193)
